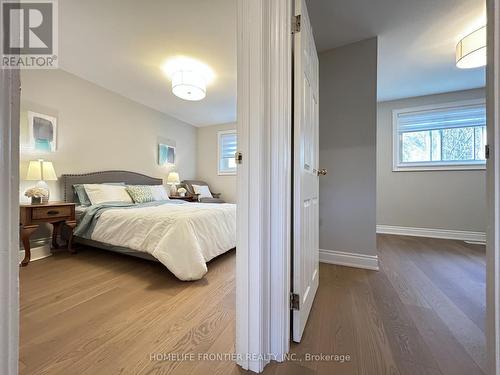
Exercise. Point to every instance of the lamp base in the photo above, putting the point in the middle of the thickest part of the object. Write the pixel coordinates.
(173, 190)
(43, 185)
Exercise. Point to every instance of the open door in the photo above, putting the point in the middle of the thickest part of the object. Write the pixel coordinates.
(305, 268)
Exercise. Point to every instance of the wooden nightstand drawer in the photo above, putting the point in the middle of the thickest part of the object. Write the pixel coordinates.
(40, 213)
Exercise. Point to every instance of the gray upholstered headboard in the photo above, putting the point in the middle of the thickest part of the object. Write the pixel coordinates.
(130, 178)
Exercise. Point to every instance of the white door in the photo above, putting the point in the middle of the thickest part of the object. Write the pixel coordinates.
(305, 276)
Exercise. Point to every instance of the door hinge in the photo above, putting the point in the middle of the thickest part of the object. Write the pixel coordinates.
(296, 24)
(486, 151)
(294, 301)
(238, 157)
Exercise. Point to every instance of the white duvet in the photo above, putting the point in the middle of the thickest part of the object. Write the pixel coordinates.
(184, 237)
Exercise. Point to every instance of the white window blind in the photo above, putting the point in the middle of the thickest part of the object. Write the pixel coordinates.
(446, 118)
(451, 136)
(227, 149)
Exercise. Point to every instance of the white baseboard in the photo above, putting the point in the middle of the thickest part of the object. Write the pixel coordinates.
(342, 258)
(37, 253)
(461, 235)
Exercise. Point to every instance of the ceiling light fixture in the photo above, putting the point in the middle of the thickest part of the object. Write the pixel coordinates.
(471, 50)
(189, 77)
(189, 85)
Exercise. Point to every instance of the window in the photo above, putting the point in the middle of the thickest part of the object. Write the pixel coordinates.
(227, 147)
(449, 136)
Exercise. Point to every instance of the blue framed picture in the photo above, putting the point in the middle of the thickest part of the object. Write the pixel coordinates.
(42, 131)
(166, 154)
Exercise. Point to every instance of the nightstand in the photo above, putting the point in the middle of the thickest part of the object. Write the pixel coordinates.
(186, 198)
(55, 213)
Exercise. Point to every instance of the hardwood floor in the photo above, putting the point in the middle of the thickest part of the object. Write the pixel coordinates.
(101, 313)
(422, 313)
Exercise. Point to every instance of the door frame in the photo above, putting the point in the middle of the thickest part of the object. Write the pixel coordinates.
(264, 182)
(493, 189)
(9, 219)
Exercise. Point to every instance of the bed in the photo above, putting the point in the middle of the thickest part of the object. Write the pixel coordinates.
(181, 235)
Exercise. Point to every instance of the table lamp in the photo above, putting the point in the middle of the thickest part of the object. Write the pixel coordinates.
(41, 171)
(173, 179)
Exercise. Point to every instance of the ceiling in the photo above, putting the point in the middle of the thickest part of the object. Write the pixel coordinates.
(121, 45)
(417, 40)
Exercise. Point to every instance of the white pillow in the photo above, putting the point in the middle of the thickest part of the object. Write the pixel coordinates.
(159, 193)
(203, 191)
(100, 193)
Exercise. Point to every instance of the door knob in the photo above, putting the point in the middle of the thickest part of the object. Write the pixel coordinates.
(322, 172)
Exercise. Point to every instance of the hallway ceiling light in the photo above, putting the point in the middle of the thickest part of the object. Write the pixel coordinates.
(471, 50)
(189, 77)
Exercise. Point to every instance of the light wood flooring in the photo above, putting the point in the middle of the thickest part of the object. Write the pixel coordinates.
(101, 313)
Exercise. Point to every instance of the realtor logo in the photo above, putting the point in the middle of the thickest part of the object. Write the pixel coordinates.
(29, 34)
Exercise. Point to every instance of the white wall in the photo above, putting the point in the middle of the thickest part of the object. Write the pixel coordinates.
(207, 162)
(454, 200)
(347, 117)
(100, 130)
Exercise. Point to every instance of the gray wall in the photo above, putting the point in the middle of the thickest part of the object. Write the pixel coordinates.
(347, 113)
(427, 199)
(207, 162)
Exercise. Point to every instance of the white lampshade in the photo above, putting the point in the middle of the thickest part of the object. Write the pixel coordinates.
(471, 50)
(189, 85)
(173, 178)
(39, 170)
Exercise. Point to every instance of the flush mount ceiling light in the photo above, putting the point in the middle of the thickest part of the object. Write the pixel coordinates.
(189, 77)
(471, 50)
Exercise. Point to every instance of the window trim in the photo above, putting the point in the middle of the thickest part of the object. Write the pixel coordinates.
(219, 134)
(397, 166)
